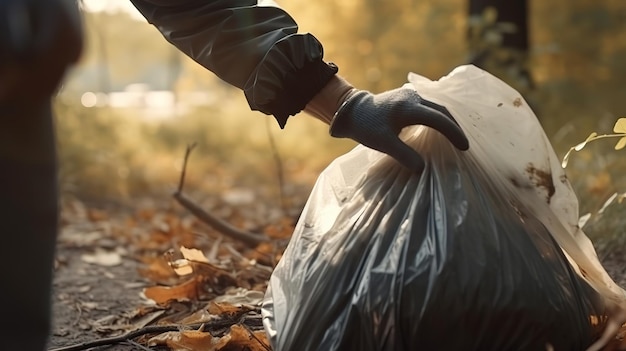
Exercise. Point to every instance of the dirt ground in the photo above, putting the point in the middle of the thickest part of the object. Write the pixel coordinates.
(97, 286)
(87, 297)
(90, 296)
(101, 253)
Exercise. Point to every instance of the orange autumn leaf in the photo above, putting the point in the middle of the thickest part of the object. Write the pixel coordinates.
(190, 340)
(239, 339)
(222, 309)
(193, 255)
(217, 274)
(157, 270)
(184, 291)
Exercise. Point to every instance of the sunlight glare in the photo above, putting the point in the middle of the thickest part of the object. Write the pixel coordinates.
(112, 6)
(89, 99)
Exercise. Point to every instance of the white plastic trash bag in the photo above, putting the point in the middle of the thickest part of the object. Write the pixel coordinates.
(482, 251)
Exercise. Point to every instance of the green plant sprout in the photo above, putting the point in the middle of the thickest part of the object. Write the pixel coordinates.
(619, 131)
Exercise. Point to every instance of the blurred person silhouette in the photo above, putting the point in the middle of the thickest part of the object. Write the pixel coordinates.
(39, 39)
(253, 45)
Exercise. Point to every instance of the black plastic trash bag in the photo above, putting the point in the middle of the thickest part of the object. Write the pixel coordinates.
(480, 252)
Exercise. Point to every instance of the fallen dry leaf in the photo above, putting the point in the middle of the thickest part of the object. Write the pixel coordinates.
(241, 339)
(225, 309)
(240, 296)
(181, 267)
(193, 255)
(200, 316)
(238, 338)
(103, 258)
(184, 291)
(184, 266)
(232, 304)
(158, 270)
(220, 277)
(191, 340)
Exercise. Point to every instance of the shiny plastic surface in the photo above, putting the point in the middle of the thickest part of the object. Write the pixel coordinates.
(480, 252)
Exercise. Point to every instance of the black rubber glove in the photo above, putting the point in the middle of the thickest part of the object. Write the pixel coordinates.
(376, 120)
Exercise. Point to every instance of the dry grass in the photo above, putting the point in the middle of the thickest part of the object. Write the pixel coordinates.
(112, 154)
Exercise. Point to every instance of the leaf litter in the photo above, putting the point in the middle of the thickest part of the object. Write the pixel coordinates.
(190, 276)
(200, 290)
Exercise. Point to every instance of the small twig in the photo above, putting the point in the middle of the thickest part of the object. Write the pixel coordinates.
(279, 166)
(181, 182)
(251, 239)
(153, 329)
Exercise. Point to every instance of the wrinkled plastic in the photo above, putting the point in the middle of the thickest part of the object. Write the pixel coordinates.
(251, 44)
(480, 252)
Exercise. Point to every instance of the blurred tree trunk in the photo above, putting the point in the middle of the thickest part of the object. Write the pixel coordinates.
(498, 40)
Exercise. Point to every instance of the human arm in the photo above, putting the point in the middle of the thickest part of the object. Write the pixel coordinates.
(250, 44)
(255, 46)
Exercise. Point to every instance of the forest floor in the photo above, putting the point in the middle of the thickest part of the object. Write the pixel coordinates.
(111, 258)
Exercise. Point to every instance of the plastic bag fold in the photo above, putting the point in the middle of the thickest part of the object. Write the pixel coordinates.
(482, 251)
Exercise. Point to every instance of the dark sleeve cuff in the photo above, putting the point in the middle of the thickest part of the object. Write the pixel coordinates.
(288, 77)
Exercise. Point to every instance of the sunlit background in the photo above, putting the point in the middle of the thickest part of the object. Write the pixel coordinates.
(127, 111)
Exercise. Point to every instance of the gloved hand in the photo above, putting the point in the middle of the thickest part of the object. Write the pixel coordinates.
(38, 40)
(376, 120)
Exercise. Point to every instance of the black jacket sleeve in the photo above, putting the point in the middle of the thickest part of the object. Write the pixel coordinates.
(250, 44)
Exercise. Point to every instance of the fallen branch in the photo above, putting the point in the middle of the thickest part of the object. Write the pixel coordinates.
(249, 238)
(255, 321)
